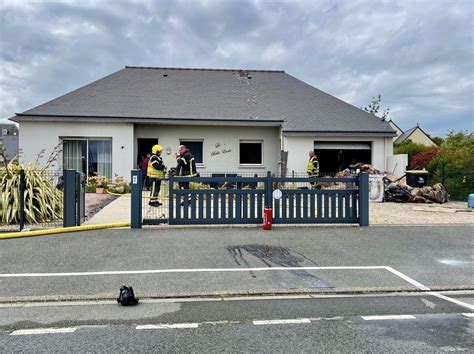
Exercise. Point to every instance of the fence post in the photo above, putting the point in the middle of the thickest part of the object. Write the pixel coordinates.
(136, 200)
(171, 200)
(69, 216)
(80, 198)
(268, 190)
(21, 211)
(363, 199)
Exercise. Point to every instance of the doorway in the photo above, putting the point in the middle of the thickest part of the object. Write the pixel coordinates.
(144, 147)
(337, 156)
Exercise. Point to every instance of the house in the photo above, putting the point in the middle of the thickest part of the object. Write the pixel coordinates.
(233, 120)
(397, 129)
(417, 135)
(8, 142)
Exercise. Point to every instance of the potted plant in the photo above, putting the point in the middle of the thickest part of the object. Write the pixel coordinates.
(99, 182)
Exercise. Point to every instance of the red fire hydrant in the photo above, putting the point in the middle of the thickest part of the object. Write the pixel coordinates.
(267, 218)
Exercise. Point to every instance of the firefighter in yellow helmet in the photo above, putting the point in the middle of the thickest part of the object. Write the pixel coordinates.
(313, 168)
(156, 172)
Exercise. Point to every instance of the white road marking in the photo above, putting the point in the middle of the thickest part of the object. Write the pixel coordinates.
(273, 322)
(408, 279)
(428, 303)
(21, 332)
(168, 326)
(192, 270)
(388, 317)
(470, 314)
(454, 301)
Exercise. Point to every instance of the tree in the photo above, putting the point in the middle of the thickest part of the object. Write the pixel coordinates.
(374, 107)
(454, 165)
(438, 140)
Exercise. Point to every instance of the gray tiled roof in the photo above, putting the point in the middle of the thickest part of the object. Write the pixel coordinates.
(405, 135)
(212, 94)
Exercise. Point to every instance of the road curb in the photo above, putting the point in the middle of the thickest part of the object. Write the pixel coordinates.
(223, 295)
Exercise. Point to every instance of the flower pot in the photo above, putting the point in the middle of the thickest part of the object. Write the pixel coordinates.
(99, 190)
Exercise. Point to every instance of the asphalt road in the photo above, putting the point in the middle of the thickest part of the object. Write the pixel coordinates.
(439, 257)
(413, 322)
(221, 261)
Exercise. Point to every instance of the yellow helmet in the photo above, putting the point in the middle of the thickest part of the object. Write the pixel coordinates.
(156, 148)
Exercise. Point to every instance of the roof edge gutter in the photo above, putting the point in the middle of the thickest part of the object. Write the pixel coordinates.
(337, 133)
(145, 120)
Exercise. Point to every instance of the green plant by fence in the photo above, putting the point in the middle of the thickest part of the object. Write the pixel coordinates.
(30, 196)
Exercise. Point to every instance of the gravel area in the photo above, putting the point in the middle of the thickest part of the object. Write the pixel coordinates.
(414, 214)
(96, 202)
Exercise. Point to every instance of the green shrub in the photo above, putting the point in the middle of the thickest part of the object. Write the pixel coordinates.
(456, 158)
(90, 188)
(119, 186)
(409, 147)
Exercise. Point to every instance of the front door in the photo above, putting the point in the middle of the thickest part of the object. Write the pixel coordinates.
(144, 147)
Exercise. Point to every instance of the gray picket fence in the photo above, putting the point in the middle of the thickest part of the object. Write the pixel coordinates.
(239, 199)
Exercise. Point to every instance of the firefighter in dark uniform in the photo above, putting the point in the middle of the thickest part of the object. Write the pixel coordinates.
(186, 165)
(156, 173)
(313, 168)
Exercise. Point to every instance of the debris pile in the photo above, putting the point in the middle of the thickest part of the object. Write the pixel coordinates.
(401, 193)
(345, 173)
(365, 167)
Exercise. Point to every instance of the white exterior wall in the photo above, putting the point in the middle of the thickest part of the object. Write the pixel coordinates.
(227, 137)
(397, 164)
(35, 136)
(299, 146)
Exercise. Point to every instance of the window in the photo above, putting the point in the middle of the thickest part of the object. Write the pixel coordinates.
(251, 153)
(195, 147)
(91, 157)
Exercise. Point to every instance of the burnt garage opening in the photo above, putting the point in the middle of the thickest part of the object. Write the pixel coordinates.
(337, 156)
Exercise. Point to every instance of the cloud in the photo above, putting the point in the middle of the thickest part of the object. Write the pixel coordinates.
(417, 54)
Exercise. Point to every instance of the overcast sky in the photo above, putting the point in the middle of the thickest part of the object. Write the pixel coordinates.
(419, 55)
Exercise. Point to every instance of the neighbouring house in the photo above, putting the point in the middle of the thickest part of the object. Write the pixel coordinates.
(245, 121)
(8, 142)
(397, 129)
(415, 134)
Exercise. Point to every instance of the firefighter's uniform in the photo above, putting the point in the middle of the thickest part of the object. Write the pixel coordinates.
(313, 169)
(186, 167)
(156, 172)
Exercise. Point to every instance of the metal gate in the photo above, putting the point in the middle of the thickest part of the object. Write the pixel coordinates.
(324, 200)
(227, 199)
(239, 199)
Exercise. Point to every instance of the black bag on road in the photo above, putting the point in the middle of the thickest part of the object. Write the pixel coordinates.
(127, 297)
